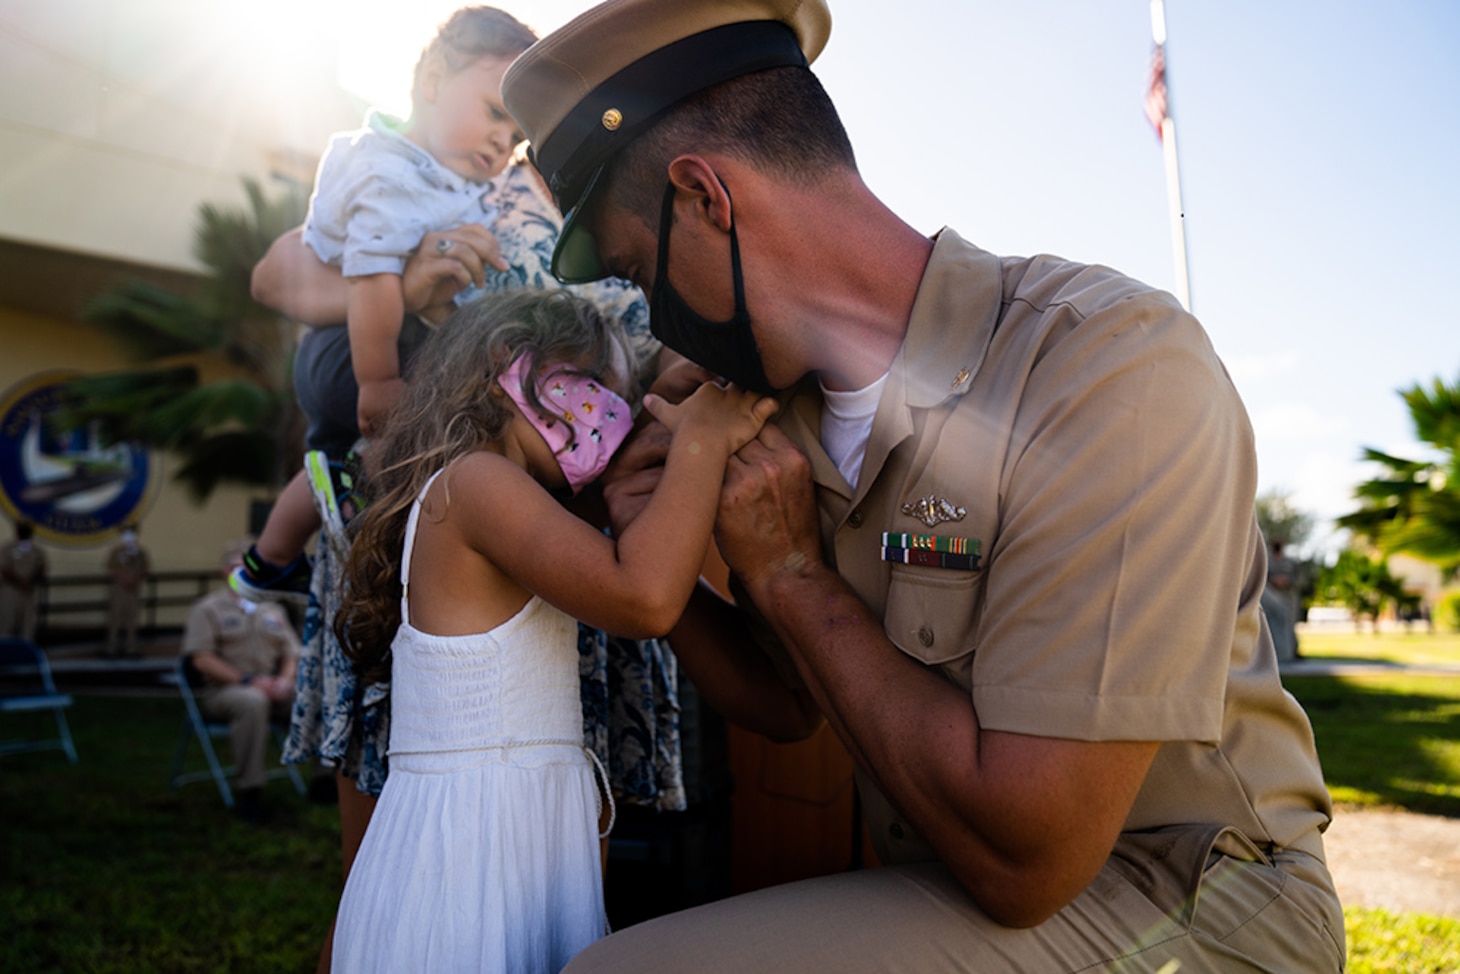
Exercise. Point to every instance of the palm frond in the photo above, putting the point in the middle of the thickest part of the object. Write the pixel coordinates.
(151, 322)
(236, 456)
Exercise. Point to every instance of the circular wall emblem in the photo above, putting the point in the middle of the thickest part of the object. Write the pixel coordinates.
(72, 487)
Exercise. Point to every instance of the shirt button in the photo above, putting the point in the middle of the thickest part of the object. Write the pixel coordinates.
(925, 636)
(895, 830)
(855, 519)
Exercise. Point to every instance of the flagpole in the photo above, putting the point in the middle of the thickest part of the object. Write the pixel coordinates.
(1173, 168)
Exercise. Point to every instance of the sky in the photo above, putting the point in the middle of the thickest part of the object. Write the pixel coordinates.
(1319, 147)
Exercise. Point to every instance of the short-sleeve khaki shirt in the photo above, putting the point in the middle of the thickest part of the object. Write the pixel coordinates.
(25, 562)
(256, 642)
(1076, 430)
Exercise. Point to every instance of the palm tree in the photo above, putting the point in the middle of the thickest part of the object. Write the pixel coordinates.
(1414, 506)
(1363, 585)
(241, 429)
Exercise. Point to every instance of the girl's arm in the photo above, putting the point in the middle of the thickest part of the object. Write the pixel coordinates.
(639, 586)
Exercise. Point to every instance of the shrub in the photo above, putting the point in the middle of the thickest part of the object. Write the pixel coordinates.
(1447, 612)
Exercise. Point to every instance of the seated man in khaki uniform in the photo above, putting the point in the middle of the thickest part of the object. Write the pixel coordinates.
(248, 652)
(1002, 537)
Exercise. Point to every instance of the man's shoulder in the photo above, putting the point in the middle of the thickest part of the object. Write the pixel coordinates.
(1044, 281)
(961, 277)
(219, 598)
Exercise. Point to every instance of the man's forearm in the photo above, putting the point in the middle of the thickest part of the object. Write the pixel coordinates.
(1023, 822)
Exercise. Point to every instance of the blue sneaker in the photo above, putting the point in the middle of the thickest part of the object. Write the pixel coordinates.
(263, 581)
(336, 486)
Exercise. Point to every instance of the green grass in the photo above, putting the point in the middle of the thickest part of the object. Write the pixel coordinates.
(1380, 942)
(102, 869)
(1413, 648)
(1389, 739)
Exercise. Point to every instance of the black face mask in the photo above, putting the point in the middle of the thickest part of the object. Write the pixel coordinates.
(726, 348)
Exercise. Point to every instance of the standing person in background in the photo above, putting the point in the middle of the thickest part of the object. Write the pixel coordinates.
(248, 653)
(1280, 602)
(22, 573)
(127, 568)
(1002, 537)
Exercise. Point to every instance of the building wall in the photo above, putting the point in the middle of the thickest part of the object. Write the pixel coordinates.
(118, 119)
(179, 534)
(117, 122)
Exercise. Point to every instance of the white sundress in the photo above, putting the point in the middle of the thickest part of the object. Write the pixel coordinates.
(482, 854)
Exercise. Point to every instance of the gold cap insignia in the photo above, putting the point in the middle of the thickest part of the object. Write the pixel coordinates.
(612, 119)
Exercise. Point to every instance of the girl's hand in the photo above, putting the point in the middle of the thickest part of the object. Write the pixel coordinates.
(712, 409)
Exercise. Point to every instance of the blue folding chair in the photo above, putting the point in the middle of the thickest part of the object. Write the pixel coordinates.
(195, 725)
(34, 691)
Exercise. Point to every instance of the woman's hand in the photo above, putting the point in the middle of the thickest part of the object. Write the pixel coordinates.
(446, 262)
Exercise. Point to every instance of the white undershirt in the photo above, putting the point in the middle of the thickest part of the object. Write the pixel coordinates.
(846, 423)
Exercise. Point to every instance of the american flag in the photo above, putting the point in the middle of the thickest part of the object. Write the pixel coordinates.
(1156, 91)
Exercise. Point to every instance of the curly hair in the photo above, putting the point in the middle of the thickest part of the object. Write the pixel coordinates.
(448, 411)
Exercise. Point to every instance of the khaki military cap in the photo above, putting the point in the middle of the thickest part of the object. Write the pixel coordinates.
(586, 90)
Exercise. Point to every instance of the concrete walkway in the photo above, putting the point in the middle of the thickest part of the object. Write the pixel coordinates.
(1386, 858)
(1395, 860)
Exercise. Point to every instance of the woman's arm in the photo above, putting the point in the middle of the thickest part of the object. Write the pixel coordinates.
(292, 280)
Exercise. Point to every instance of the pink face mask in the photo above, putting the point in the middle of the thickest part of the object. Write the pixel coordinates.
(598, 417)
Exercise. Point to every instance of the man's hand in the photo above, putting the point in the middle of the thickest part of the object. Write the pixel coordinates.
(276, 688)
(445, 263)
(678, 377)
(767, 520)
(636, 468)
(633, 474)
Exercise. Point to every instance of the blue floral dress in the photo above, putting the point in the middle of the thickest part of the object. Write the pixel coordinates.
(629, 687)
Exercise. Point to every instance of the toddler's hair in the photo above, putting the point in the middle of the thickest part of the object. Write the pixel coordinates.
(470, 34)
(449, 410)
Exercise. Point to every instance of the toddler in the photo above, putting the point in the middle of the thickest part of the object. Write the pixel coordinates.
(378, 191)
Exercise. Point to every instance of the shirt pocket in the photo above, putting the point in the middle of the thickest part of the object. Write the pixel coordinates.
(931, 613)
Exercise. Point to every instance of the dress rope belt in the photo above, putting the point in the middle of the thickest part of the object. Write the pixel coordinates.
(605, 793)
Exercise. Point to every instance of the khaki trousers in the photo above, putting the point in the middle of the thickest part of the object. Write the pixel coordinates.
(1137, 916)
(124, 608)
(18, 612)
(247, 710)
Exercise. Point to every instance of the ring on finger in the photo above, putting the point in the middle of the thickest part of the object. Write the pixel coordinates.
(443, 245)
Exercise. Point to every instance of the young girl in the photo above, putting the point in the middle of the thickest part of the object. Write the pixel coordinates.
(482, 854)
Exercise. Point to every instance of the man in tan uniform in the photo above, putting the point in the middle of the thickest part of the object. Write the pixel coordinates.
(248, 653)
(1002, 538)
(22, 570)
(127, 567)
